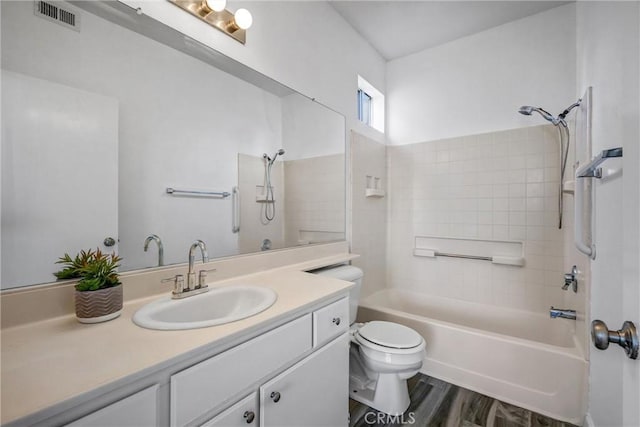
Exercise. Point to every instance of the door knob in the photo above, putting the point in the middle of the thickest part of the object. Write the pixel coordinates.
(109, 241)
(627, 337)
(275, 396)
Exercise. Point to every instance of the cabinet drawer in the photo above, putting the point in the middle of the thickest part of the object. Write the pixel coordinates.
(140, 409)
(208, 384)
(330, 321)
(242, 413)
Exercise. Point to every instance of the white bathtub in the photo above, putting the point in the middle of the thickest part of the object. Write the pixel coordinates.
(519, 357)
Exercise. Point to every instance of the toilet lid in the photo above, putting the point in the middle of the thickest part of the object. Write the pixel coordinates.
(389, 334)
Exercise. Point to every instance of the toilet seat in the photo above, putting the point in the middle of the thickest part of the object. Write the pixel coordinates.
(388, 337)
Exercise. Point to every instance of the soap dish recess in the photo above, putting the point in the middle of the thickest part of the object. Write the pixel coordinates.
(374, 192)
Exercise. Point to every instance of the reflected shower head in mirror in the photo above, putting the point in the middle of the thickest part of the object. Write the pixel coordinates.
(270, 160)
(269, 205)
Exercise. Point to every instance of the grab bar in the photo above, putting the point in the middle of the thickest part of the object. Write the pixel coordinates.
(578, 237)
(591, 170)
(235, 210)
(218, 194)
(507, 260)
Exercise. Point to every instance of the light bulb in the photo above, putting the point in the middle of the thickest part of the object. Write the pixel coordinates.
(243, 18)
(216, 5)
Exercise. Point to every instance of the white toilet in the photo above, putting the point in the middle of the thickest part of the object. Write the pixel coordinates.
(383, 354)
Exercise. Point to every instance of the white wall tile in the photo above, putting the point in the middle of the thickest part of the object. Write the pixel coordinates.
(507, 192)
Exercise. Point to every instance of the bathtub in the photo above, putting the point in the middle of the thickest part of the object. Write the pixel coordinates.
(519, 357)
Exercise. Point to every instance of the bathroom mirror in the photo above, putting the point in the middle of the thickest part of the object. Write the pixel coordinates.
(101, 117)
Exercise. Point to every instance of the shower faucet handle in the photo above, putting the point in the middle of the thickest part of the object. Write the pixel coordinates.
(571, 279)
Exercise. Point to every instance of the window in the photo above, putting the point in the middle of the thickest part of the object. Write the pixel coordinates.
(370, 105)
(364, 107)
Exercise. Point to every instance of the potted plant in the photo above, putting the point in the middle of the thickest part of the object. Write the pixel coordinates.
(98, 295)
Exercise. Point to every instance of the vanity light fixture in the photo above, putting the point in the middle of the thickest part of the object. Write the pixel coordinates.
(213, 12)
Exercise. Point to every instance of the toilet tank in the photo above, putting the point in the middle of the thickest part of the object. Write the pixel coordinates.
(350, 274)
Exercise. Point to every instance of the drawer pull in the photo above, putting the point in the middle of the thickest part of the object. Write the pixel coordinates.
(249, 416)
(336, 320)
(275, 396)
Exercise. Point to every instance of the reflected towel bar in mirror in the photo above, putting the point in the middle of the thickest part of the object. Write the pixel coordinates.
(216, 194)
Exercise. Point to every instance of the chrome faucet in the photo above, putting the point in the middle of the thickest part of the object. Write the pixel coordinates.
(179, 289)
(191, 276)
(563, 313)
(158, 240)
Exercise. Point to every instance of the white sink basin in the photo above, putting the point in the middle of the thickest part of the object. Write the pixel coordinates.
(216, 307)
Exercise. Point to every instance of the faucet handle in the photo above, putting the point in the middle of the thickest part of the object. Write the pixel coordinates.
(202, 277)
(571, 279)
(178, 283)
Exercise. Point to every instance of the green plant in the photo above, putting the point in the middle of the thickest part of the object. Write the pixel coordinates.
(94, 269)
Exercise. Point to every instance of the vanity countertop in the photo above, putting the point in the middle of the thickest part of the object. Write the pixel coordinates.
(47, 362)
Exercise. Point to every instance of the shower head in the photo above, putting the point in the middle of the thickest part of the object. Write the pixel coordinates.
(280, 152)
(527, 110)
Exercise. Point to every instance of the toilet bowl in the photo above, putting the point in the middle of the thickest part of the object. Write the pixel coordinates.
(383, 355)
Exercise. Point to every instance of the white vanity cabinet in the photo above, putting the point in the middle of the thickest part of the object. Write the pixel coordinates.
(242, 414)
(293, 374)
(206, 385)
(139, 409)
(314, 392)
(316, 387)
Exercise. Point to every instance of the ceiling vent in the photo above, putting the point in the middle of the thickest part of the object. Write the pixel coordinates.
(58, 12)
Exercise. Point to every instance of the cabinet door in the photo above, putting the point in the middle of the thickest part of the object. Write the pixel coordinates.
(207, 385)
(140, 410)
(314, 392)
(242, 414)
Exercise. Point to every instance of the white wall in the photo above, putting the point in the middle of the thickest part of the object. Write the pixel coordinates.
(310, 129)
(305, 45)
(369, 233)
(476, 84)
(608, 52)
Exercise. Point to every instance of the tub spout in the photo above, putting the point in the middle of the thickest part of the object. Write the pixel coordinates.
(563, 313)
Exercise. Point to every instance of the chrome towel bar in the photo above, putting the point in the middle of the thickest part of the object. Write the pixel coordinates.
(506, 260)
(217, 194)
(591, 170)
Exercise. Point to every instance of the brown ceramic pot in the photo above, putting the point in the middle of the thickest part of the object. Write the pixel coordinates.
(99, 306)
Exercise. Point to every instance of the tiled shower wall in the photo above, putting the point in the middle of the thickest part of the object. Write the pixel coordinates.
(314, 205)
(501, 185)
